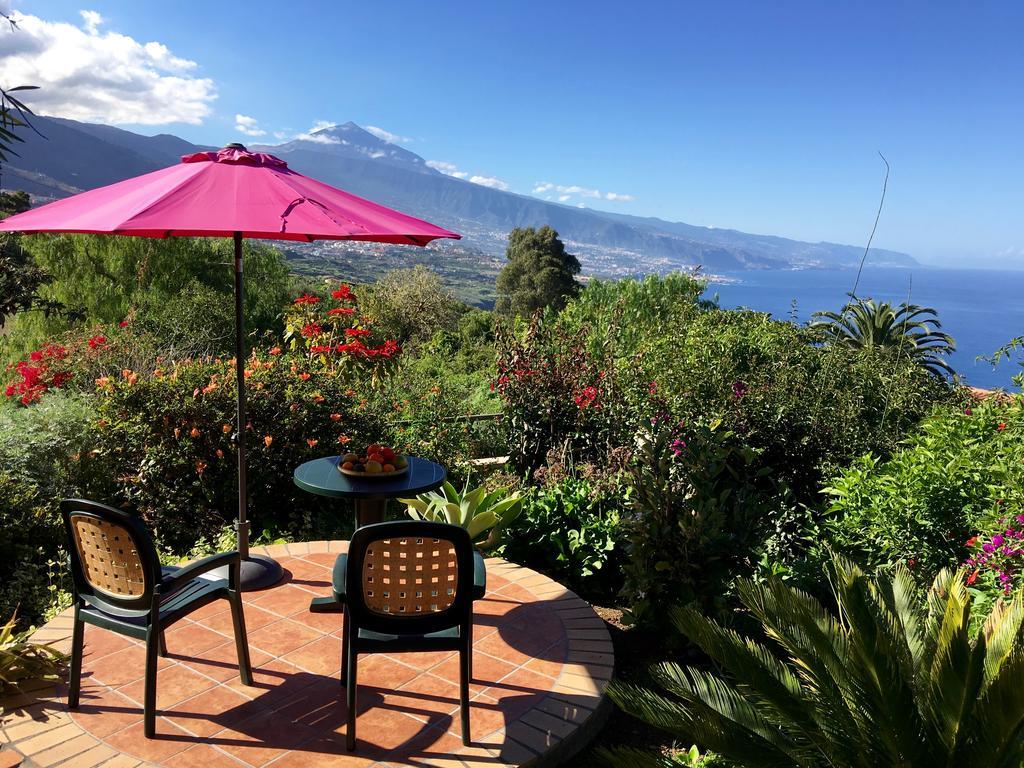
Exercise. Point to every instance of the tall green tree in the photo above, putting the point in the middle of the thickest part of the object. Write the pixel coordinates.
(20, 277)
(411, 305)
(540, 273)
(910, 329)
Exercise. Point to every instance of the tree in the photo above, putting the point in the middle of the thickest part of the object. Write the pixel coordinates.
(411, 305)
(20, 277)
(885, 679)
(539, 274)
(908, 328)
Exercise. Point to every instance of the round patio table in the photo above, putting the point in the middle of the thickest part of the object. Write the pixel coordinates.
(370, 497)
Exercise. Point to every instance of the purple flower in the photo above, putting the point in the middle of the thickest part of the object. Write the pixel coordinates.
(739, 389)
(988, 548)
(998, 540)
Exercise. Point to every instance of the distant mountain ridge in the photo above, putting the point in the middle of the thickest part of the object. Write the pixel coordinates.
(76, 156)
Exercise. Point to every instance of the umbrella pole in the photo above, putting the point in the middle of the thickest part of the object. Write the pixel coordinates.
(257, 571)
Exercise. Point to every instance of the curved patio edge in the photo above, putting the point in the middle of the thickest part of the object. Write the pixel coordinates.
(36, 729)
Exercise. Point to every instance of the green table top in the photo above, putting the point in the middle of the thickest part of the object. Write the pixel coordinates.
(321, 476)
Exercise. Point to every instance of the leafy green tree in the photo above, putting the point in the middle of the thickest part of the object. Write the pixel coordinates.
(411, 305)
(910, 329)
(884, 680)
(20, 277)
(108, 279)
(539, 274)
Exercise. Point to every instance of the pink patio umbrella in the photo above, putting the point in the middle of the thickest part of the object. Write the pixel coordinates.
(229, 193)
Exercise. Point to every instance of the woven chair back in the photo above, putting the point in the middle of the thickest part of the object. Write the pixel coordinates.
(109, 556)
(410, 575)
(114, 565)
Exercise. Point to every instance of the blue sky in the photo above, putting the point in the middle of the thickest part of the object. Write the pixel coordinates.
(760, 116)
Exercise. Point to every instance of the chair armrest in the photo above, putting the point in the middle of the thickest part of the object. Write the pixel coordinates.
(186, 573)
(479, 576)
(339, 576)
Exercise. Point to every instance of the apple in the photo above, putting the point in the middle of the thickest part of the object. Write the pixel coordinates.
(373, 467)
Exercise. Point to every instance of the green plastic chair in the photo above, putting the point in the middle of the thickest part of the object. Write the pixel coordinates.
(120, 585)
(408, 586)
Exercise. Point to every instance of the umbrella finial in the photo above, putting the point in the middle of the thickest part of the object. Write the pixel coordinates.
(236, 145)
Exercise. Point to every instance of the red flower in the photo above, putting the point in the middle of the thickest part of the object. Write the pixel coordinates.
(123, 324)
(340, 311)
(587, 398)
(973, 577)
(353, 332)
(311, 329)
(307, 298)
(1002, 426)
(972, 541)
(97, 341)
(319, 349)
(344, 293)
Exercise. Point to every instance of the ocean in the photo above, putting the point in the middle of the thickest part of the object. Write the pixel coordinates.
(980, 309)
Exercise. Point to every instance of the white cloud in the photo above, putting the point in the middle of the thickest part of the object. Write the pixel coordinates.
(449, 169)
(490, 181)
(86, 74)
(388, 136)
(92, 21)
(568, 191)
(320, 138)
(248, 126)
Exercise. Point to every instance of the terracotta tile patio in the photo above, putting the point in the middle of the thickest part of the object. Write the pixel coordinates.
(541, 661)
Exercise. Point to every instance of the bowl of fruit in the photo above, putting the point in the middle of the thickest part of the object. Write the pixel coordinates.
(378, 461)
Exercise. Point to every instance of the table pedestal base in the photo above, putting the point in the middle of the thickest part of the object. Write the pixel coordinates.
(370, 511)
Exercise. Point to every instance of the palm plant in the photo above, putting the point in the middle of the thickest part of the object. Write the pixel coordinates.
(911, 329)
(22, 660)
(886, 680)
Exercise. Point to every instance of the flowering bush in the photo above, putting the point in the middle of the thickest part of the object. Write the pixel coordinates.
(961, 472)
(699, 499)
(997, 556)
(556, 397)
(337, 337)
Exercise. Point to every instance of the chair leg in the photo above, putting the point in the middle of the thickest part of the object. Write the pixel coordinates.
(77, 650)
(163, 644)
(465, 672)
(241, 638)
(149, 694)
(350, 696)
(344, 649)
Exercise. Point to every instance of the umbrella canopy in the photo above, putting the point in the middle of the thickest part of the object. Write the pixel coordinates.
(229, 193)
(216, 194)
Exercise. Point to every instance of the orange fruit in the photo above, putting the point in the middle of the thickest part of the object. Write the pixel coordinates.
(347, 465)
(389, 467)
(378, 457)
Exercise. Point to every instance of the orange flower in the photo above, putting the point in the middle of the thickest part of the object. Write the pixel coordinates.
(103, 382)
(318, 399)
(304, 376)
(311, 442)
(177, 433)
(248, 372)
(343, 439)
(275, 351)
(200, 466)
(225, 428)
(195, 432)
(268, 440)
(335, 417)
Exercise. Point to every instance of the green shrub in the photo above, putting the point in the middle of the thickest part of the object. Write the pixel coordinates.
(887, 678)
(22, 660)
(45, 456)
(921, 505)
(571, 529)
(700, 500)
